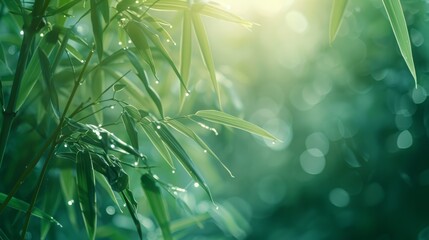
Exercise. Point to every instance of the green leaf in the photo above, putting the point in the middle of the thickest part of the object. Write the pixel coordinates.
(63, 8)
(142, 76)
(51, 203)
(181, 155)
(157, 142)
(68, 187)
(105, 184)
(130, 127)
(137, 35)
(231, 121)
(97, 29)
(337, 12)
(185, 53)
(86, 191)
(212, 10)
(104, 9)
(22, 206)
(399, 26)
(47, 76)
(131, 204)
(186, 223)
(156, 203)
(191, 134)
(155, 24)
(97, 87)
(203, 41)
(171, 5)
(135, 113)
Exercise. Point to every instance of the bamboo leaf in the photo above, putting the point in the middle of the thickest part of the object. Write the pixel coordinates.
(142, 76)
(131, 204)
(157, 142)
(191, 134)
(203, 41)
(104, 9)
(181, 155)
(97, 29)
(156, 203)
(231, 121)
(137, 35)
(118, 87)
(337, 12)
(155, 24)
(22, 206)
(185, 53)
(211, 9)
(86, 191)
(68, 187)
(63, 8)
(97, 88)
(171, 5)
(186, 223)
(399, 27)
(105, 184)
(51, 204)
(135, 113)
(130, 127)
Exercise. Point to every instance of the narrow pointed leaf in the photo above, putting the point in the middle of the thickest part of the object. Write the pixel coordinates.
(186, 223)
(96, 89)
(63, 8)
(185, 53)
(211, 9)
(86, 191)
(231, 121)
(155, 24)
(51, 204)
(142, 76)
(157, 142)
(68, 187)
(97, 29)
(157, 42)
(156, 203)
(130, 127)
(105, 184)
(181, 155)
(399, 27)
(22, 206)
(104, 9)
(137, 35)
(203, 41)
(47, 76)
(337, 13)
(191, 134)
(171, 5)
(131, 204)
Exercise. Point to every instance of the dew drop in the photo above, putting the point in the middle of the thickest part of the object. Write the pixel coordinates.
(187, 94)
(112, 145)
(156, 82)
(173, 171)
(196, 184)
(136, 163)
(205, 151)
(217, 207)
(137, 2)
(110, 210)
(168, 40)
(273, 143)
(21, 32)
(129, 41)
(120, 43)
(42, 35)
(125, 205)
(99, 125)
(70, 202)
(175, 193)
(112, 107)
(158, 127)
(65, 145)
(155, 176)
(82, 61)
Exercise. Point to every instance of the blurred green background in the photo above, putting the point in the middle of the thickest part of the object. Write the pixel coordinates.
(353, 163)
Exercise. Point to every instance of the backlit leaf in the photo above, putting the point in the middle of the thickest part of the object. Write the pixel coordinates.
(185, 53)
(216, 11)
(231, 121)
(203, 41)
(399, 26)
(137, 35)
(156, 203)
(130, 127)
(157, 142)
(68, 188)
(142, 76)
(86, 191)
(181, 155)
(337, 12)
(191, 134)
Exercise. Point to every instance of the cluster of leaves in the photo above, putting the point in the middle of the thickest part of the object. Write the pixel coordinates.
(52, 74)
